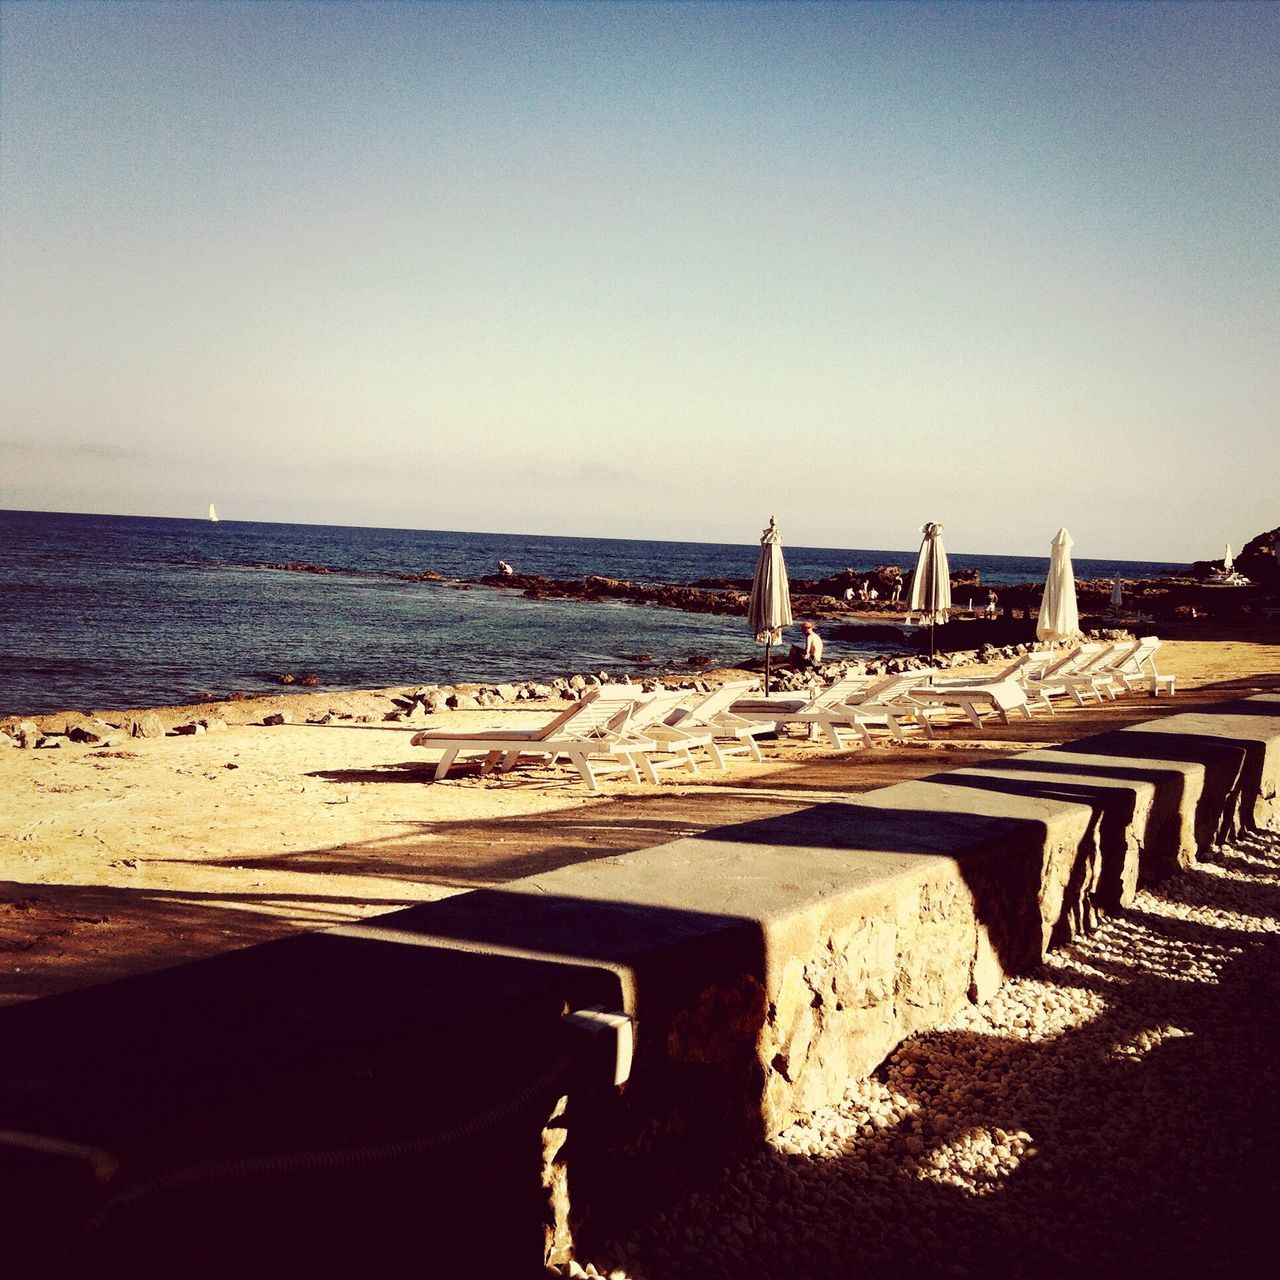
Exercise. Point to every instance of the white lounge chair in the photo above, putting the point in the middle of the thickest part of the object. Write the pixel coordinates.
(844, 709)
(731, 734)
(998, 696)
(1137, 669)
(590, 733)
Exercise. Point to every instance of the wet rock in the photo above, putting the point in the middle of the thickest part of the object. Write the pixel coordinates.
(190, 730)
(277, 717)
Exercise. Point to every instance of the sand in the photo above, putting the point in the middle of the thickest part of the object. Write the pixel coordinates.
(153, 850)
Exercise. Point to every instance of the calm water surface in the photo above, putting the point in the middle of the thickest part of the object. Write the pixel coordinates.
(117, 611)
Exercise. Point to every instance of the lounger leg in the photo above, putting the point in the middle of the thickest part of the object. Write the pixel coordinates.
(442, 767)
(749, 741)
(645, 767)
(583, 766)
(490, 762)
(972, 712)
(1025, 708)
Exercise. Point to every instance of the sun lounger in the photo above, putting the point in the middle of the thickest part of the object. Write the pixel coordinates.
(1137, 669)
(855, 705)
(591, 734)
(731, 734)
(998, 696)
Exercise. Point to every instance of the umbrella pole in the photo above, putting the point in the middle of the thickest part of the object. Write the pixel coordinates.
(767, 649)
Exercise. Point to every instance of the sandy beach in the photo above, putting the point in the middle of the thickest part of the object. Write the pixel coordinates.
(147, 851)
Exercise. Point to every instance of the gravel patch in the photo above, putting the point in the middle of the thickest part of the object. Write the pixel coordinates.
(1113, 1113)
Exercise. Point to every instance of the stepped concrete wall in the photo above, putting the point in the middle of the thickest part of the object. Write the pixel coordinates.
(763, 964)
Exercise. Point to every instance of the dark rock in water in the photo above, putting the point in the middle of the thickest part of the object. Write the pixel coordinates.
(147, 726)
(310, 679)
(699, 660)
(287, 678)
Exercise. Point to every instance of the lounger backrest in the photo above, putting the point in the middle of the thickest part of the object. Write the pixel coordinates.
(1014, 669)
(572, 712)
(716, 703)
(1146, 653)
(1099, 662)
(655, 709)
(1064, 664)
(607, 709)
(1123, 659)
(887, 689)
(846, 689)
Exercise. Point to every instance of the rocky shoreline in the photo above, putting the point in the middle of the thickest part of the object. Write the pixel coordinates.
(416, 704)
(1173, 596)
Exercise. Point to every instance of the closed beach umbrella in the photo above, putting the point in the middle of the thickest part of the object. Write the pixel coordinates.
(931, 582)
(769, 609)
(1117, 593)
(1059, 617)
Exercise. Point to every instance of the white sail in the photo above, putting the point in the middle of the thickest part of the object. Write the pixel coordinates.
(1227, 562)
(213, 513)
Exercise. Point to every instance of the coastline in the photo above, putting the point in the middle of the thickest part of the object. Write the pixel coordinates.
(132, 853)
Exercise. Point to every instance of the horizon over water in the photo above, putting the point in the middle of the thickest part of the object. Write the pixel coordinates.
(117, 612)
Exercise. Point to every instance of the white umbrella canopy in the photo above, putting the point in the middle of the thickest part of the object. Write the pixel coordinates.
(769, 608)
(1059, 617)
(931, 582)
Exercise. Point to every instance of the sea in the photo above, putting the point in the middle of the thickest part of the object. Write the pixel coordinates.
(122, 612)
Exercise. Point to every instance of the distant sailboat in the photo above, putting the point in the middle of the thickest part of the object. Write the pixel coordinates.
(213, 513)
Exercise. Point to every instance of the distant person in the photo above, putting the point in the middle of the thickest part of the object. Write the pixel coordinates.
(897, 592)
(848, 595)
(807, 657)
(873, 595)
(505, 569)
(993, 602)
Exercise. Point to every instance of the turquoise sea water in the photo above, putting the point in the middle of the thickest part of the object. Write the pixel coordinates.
(119, 611)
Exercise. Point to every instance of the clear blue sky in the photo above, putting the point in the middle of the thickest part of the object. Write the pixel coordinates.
(648, 270)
